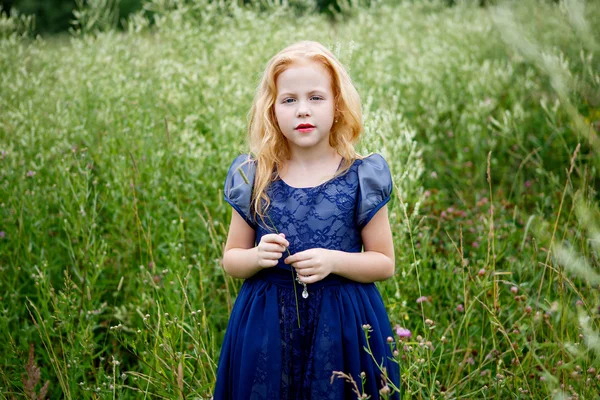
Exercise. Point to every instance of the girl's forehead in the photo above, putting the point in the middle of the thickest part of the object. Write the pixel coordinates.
(304, 76)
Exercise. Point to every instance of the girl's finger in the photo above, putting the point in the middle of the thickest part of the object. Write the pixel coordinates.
(302, 265)
(272, 255)
(296, 258)
(306, 271)
(274, 238)
(268, 263)
(309, 279)
(274, 247)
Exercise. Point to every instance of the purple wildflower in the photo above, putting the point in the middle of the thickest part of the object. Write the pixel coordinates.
(2, 234)
(403, 332)
(422, 299)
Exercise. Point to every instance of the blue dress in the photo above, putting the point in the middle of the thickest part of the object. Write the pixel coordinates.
(265, 354)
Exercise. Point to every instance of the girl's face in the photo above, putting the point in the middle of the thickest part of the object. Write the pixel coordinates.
(305, 97)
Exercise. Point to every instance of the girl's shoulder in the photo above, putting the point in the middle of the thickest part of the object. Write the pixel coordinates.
(245, 159)
(373, 161)
(238, 185)
(375, 186)
(373, 168)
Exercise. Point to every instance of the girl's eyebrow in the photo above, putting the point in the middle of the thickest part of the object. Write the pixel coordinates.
(311, 92)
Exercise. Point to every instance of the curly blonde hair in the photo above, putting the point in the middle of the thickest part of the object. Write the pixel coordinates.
(267, 143)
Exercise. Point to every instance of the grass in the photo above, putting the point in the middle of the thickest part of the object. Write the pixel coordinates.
(114, 147)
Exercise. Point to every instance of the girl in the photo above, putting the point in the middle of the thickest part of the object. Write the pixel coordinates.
(304, 206)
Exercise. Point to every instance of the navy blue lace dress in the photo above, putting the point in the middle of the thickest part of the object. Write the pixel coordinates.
(265, 354)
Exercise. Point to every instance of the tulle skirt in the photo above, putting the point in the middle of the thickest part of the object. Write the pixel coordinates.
(278, 348)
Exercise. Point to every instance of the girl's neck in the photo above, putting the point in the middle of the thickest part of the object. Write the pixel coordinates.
(309, 160)
(310, 169)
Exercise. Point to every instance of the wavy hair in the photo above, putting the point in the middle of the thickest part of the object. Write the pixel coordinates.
(267, 143)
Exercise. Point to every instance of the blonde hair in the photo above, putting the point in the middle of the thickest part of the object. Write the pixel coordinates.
(267, 143)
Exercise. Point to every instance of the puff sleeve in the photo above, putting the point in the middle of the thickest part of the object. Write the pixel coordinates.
(238, 186)
(374, 188)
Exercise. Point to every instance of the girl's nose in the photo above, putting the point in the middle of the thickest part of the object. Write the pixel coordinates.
(303, 112)
(303, 109)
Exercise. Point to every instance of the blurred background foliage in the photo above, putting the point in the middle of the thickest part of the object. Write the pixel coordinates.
(54, 16)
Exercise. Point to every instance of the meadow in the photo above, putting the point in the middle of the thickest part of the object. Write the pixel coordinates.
(114, 146)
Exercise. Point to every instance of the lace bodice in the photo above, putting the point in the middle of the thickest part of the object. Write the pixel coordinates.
(330, 215)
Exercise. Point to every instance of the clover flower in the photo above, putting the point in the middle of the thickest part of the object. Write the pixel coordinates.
(403, 332)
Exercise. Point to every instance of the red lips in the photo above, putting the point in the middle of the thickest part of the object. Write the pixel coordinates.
(304, 126)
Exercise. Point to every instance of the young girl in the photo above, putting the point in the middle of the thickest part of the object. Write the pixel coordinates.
(305, 205)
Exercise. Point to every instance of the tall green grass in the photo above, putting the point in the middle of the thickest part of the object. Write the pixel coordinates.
(114, 147)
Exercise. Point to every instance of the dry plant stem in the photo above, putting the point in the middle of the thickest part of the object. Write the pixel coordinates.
(380, 367)
(461, 253)
(114, 382)
(212, 231)
(491, 235)
(521, 165)
(32, 378)
(496, 322)
(226, 277)
(465, 321)
(348, 378)
(201, 343)
(293, 279)
(562, 199)
(412, 245)
(167, 132)
(49, 349)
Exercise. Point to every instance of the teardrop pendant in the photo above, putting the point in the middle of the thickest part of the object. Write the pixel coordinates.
(304, 291)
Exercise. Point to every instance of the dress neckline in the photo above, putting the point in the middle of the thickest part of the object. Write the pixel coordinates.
(320, 184)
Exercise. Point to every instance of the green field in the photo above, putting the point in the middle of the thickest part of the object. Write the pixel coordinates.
(114, 146)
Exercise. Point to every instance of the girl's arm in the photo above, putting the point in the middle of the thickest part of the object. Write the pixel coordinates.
(376, 263)
(241, 259)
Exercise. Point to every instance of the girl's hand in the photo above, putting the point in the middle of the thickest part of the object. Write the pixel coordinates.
(312, 265)
(270, 249)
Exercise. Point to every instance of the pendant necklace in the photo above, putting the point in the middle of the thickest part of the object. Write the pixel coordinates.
(304, 291)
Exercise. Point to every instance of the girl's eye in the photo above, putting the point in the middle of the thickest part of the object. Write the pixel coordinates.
(290, 100)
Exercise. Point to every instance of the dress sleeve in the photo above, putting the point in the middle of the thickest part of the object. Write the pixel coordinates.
(375, 188)
(238, 186)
